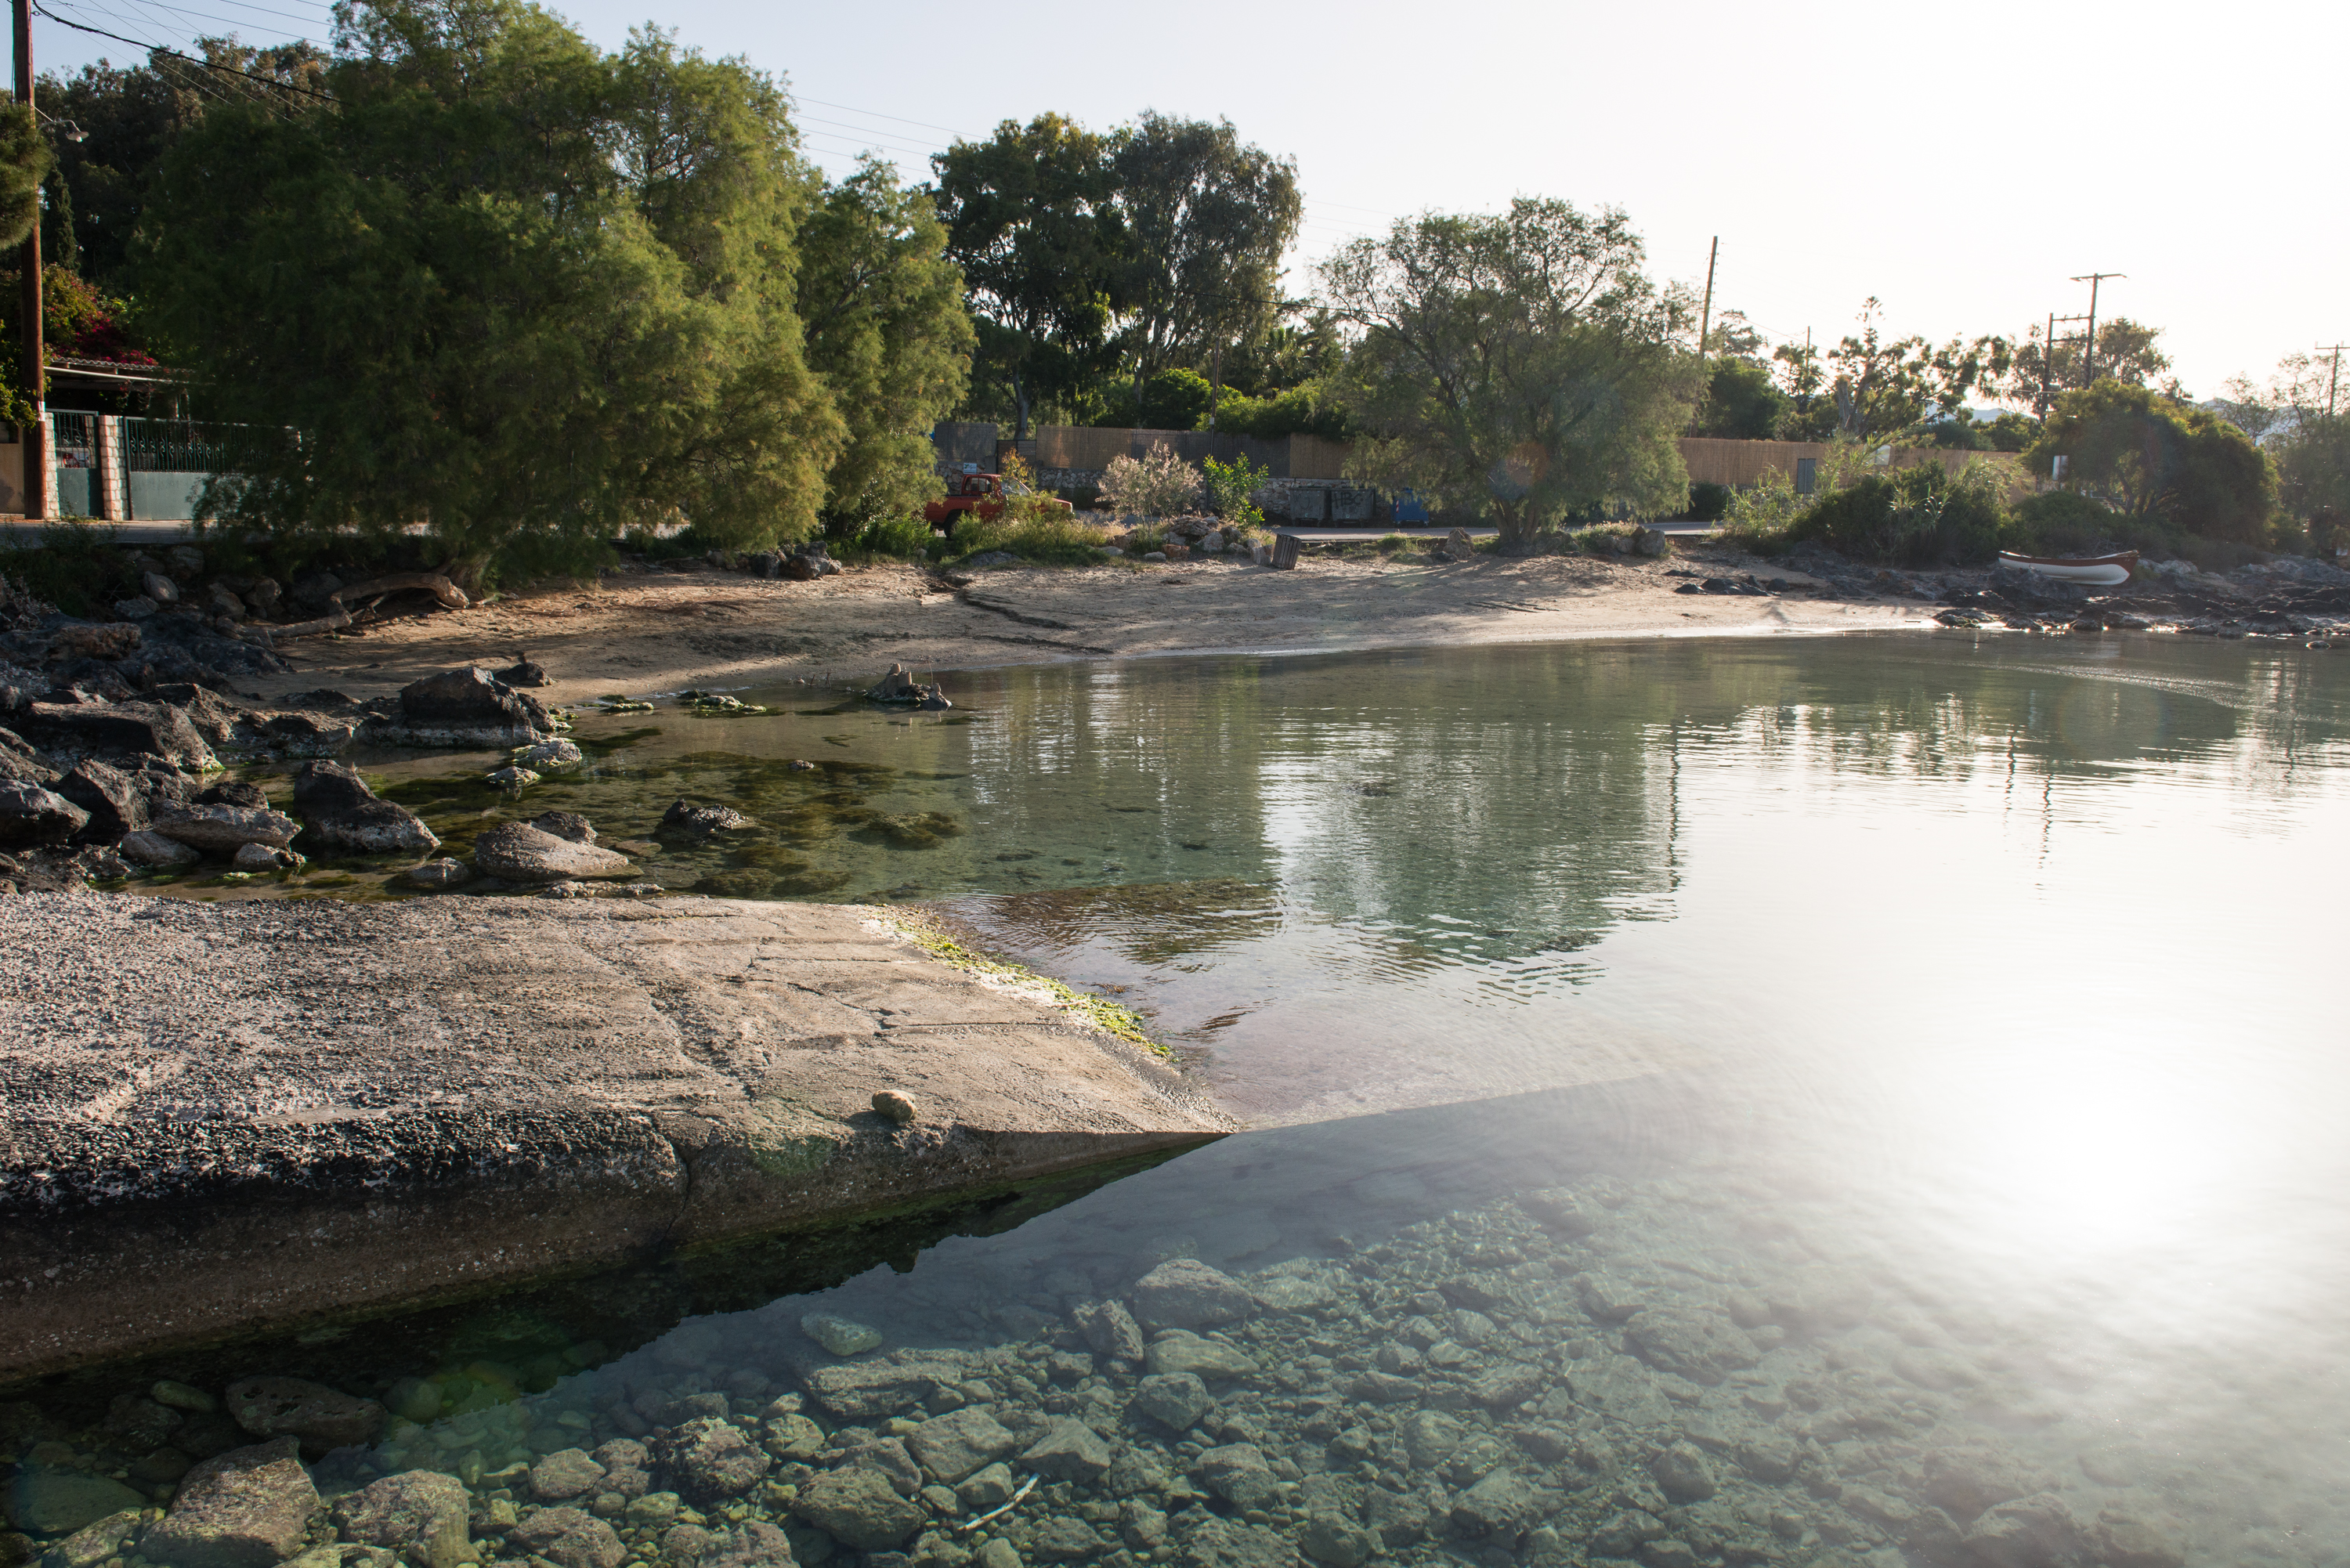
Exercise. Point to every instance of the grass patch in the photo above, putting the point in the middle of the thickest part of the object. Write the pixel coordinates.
(1103, 1014)
(1394, 544)
(1055, 539)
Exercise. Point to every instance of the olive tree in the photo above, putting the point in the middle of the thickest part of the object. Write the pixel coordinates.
(2157, 458)
(1520, 361)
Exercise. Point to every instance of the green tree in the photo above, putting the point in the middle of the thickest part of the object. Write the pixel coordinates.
(883, 312)
(24, 162)
(1032, 221)
(1208, 219)
(1174, 399)
(1742, 401)
(2125, 353)
(1522, 362)
(1884, 386)
(2154, 458)
(505, 284)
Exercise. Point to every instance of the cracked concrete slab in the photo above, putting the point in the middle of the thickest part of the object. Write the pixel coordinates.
(224, 1119)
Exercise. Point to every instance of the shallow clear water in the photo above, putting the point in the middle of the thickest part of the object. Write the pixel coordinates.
(1936, 1041)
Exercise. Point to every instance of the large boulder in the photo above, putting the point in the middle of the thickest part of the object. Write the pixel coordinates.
(958, 1445)
(420, 1514)
(69, 731)
(517, 852)
(568, 1538)
(322, 1417)
(470, 706)
(885, 1385)
(31, 816)
(708, 1460)
(221, 829)
(152, 849)
(340, 811)
(116, 803)
(1179, 1351)
(248, 1507)
(41, 1501)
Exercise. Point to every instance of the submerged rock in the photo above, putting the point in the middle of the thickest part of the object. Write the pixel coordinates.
(840, 1335)
(262, 857)
(569, 1538)
(249, 1508)
(322, 1417)
(567, 824)
(420, 1514)
(859, 1508)
(48, 1502)
(1184, 1293)
(695, 818)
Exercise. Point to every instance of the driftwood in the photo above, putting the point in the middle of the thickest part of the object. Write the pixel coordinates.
(451, 596)
(270, 636)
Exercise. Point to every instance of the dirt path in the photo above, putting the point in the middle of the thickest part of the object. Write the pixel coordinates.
(646, 632)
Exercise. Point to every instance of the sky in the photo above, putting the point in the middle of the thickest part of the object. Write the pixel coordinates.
(1961, 164)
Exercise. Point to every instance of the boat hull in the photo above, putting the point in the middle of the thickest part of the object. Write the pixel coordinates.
(2093, 571)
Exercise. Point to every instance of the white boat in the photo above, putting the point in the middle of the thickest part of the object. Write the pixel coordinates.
(2095, 571)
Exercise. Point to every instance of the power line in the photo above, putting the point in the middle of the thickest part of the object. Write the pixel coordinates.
(177, 55)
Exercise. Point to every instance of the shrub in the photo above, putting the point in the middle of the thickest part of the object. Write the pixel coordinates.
(1175, 399)
(75, 566)
(895, 538)
(1708, 503)
(1054, 538)
(1393, 543)
(1229, 486)
(1921, 516)
(1161, 485)
(1758, 518)
(2061, 522)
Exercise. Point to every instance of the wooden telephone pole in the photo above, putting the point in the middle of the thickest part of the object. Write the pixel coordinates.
(1705, 320)
(2334, 377)
(34, 446)
(2089, 348)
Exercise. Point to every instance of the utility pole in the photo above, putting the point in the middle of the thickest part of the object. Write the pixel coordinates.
(2089, 352)
(2048, 378)
(1704, 321)
(35, 446)
(2334, 377)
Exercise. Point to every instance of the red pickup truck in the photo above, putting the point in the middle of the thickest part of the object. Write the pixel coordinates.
(974, 492)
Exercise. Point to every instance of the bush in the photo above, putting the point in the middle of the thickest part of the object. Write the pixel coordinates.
(1759, 518)
(892, 538)
(2061, 522)
(1921, 516)
(1229, 486)
(1708, 503)
(1298, 411)
(1161, 485)
(75, 567)
(1174, 400)
(1054, 539)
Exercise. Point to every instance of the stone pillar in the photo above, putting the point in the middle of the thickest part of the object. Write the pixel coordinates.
(113, 487)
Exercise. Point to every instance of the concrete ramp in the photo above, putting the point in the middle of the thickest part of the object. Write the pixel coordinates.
(224, 1119)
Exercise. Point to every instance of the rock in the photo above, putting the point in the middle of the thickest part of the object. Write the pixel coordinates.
(31, 816)
(1337, 1541)
(1703, 1346)
(565, 1474)
(255, 857)
(840, 1335)
(1111, 1331)
(709, 1460)
(1184, 1293)
(183, 1396)
(249, 1508)
(1071, 1451)
(517, 852)
(437, 874)
(1682, 1473)
(1065, 1540)
(523, 673)
(1459, 545)
(321, 1416)
(1494, 1507)
(1965, 1479)
(1237, 1473)
(1429, 1438)
(858, 1508)
(113, 800)
(111, 639)
(159, 588)
(991, 1487)
(1209, 1542)
(692, 818)
(569, 1538)
(1560, 1213)
(958, 1445)
(754, 1543)
(898, 1107)
(2123, 1540)
(511, 777)
(887, 1386)
(567, 824)
(1175, 1400)
(45, 1501)
(548, 755)
(224, 829)
(1399, 1518)
(1621, 1388)
(154, 850)
(1290, 1294)
(420, 1514)
(115, 731)
(468, 707)
(1179, 1351)
(2037, 1531)
(999, 1554)
(115, 1535)
(341, 812)
(1505, 1387)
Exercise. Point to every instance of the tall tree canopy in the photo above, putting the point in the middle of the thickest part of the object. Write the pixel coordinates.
(1208, 219)
(2156, 457)
(1032, 220)
(529, 293)
(1521, 361)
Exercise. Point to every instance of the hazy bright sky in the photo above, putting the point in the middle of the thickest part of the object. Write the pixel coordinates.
(1959, 163)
